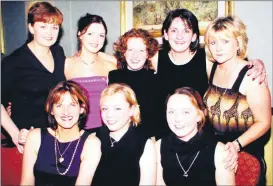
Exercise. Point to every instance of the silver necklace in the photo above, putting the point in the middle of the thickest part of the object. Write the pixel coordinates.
(61, 159)
(92, 62)
(73, 155)
(186, 172)
(112, 142)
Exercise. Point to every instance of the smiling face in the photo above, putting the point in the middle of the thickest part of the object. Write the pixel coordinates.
(222, 48)
(93, 39)
(182, 116)
(179, 35)
(116, 112)
(45, 34)
(136, 54)
(67, 111)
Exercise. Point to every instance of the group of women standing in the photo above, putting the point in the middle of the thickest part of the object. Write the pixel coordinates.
(118, 151)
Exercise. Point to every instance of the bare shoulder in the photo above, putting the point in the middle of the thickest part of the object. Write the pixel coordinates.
(34, 134)
(158, 143)
(149, 143)
(107, 57)
(93, 140)
(111, 66)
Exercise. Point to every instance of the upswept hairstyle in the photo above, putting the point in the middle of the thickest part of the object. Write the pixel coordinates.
(85, 21)
(129, 95)
(231, 27)
(77, 93)
(196, 100)
(120, 46)
(44, 12)
(189, 18)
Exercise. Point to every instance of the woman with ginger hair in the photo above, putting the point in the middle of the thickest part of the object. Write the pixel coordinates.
(27, 76)
(133, 51)
(128, 157)
(89, 67)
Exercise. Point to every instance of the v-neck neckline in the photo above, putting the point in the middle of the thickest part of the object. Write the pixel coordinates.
(40, 63)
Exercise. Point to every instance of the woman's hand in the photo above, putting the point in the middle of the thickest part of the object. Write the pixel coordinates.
(231, 159)
(23, 135)
(258, 70)
(15, 140)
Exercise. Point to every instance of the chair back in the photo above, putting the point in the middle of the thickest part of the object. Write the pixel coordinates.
(249, 169)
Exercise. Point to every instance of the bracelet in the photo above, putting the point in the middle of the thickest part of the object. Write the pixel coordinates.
(240, 146)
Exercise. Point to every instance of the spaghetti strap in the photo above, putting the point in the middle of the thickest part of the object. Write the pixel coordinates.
(212, 72)
(239, 79)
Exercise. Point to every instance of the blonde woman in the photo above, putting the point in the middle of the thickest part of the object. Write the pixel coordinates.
(128, 158)
(239, 108)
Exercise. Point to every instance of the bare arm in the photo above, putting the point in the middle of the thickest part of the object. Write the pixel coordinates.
(32, 146)
(90, 158)
(223, 176)
(159, 172)
(259, 101)
(11, 128)
(147, 164)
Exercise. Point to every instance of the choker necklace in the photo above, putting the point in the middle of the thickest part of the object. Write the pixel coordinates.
(186, 172)
(92, 62)
(112, 141)
(61, 159)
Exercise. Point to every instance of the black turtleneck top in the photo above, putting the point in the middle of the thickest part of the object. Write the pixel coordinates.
(145, 85)
(202, 171)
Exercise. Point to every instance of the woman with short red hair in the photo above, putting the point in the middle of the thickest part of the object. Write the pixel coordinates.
(27, 75)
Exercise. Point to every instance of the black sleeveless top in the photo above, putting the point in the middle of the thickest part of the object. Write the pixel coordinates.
(119, 164)
(45, 170)
(229, 112)
(201, 148)
(192, 74)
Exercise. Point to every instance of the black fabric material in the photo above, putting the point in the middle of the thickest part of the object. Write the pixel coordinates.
(171, 76)
(26, 84)
(119, 165)
(202, 171)
(144, 84)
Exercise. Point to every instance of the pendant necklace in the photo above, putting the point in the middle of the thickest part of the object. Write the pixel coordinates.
(186, 172)
(112, 141)
(61, 159)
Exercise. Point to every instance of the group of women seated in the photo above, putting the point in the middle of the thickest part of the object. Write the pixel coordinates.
(176, 116)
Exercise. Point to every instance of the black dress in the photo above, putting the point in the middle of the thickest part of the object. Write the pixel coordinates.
(26, 84)
(144, 84)
(45, 170)
(202, 171)
(119, 165)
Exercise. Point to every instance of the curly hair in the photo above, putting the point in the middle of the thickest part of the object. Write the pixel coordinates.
(120, 46)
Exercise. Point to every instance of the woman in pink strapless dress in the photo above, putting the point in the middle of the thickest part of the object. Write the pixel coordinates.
(89, 67)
